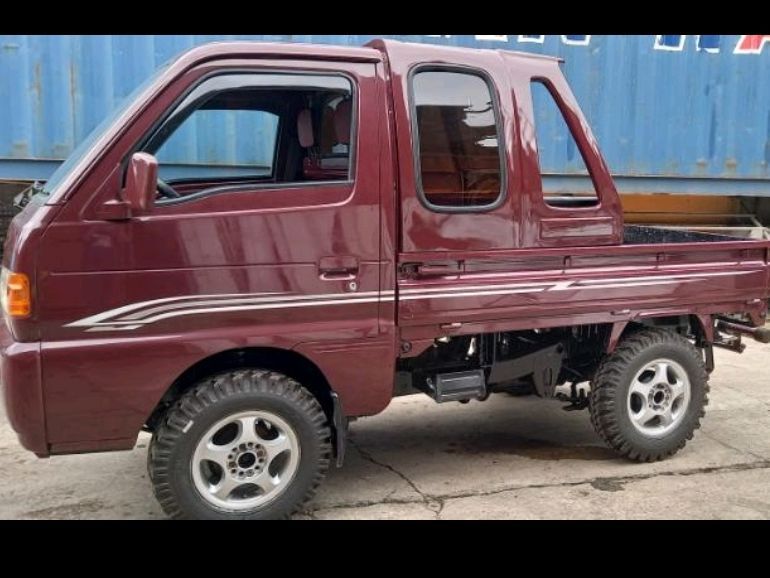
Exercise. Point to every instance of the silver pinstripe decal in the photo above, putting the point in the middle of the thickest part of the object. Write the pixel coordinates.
(136, 315)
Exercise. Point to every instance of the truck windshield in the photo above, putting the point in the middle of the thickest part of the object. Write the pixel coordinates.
(85, 145)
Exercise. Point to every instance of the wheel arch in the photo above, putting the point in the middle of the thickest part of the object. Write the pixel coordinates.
(288, 362)
(699, 326)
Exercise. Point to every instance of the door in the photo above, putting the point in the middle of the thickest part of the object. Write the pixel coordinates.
(459, 188)
(266, 233)
(261, 217)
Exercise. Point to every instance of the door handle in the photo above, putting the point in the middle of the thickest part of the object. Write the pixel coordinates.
(437, 269)
(338, 275)
(338, 268)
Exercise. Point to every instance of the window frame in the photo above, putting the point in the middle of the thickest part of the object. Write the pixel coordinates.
(174, 109)
(561, 106)
(499, 128)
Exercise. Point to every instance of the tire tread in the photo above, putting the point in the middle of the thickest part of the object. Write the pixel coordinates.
(603, 399)
(218, 388)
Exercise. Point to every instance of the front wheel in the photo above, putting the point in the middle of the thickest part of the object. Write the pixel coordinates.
(247, 444)
(648, 396)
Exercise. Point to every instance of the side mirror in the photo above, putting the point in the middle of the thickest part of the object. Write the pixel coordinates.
(141, 181)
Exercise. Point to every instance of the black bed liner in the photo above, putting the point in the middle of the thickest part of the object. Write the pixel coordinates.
(639, 235)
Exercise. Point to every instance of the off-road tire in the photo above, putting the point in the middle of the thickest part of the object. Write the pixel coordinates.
(214, 398)
(609, 391)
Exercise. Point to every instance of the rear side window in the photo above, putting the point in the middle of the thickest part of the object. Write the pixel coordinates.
(458, 156)
(559, 154)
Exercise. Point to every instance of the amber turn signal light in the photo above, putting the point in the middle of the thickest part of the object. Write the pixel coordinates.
(16, 298)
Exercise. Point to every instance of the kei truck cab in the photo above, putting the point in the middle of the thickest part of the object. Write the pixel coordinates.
(368, 222)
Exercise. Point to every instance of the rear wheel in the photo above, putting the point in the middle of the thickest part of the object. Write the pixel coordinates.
(248, 444)
(649, 395)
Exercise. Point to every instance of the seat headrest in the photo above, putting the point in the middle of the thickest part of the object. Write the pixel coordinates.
(305, 128)
(342, 120)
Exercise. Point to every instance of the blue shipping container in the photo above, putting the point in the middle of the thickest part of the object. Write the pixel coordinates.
(672, 113)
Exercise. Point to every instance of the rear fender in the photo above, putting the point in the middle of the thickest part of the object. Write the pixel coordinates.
(704, 326)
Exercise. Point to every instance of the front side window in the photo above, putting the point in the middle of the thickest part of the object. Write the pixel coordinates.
(220, 143)
(459, 158)
(251, 130)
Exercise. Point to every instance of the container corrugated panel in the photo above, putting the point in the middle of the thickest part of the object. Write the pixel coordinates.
(673, 107)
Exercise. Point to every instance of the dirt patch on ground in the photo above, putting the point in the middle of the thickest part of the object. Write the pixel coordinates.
(529, 448)
(76, 511)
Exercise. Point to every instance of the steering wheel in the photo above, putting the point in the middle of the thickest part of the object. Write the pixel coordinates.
(167, 191)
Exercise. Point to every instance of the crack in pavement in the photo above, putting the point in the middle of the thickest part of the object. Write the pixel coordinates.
(432, 503)
(603, 483)
(731, 447)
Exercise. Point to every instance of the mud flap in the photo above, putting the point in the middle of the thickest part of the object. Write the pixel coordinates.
(340, 423)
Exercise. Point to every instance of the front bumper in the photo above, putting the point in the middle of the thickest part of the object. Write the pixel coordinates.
(20, 380)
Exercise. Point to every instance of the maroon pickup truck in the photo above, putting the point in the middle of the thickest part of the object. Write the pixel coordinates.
(374, 223)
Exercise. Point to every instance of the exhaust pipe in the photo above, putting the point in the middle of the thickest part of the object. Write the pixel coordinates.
(761, 334)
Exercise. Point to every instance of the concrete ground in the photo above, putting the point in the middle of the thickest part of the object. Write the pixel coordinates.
(504, 458)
